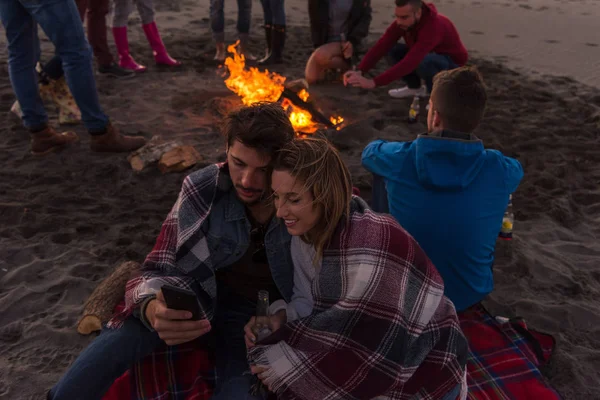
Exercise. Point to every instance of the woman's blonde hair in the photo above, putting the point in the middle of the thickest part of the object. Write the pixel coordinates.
(319, 167)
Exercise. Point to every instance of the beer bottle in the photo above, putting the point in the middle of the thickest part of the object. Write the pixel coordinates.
(261, 328)
(506, 231)
(413, 113)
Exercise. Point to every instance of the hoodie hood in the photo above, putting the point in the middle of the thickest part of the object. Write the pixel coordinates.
(448, 164)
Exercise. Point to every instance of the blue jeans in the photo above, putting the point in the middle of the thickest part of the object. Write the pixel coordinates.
(274, 11)
(61, 22)
(379, 195)
(217, 18)
(431, 65)
(114, 351)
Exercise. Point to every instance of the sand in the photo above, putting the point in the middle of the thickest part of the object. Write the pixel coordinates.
(66, 220)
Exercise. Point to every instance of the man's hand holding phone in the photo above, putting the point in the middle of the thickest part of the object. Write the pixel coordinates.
(174, 326)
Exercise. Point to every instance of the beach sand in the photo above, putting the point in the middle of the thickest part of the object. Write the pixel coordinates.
(67, 219)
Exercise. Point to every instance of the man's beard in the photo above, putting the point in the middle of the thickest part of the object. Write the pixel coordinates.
(250, 203)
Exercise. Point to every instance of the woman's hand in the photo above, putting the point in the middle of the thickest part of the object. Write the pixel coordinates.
(276, 320)
(259, 370)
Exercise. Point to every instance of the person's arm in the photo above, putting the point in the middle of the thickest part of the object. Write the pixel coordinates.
(380, 157)
(514, 173)
(381, 48)
(360, 30)
(301, 304)
(425, 44)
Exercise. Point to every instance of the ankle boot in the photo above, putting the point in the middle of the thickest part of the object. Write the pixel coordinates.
(158, 48)
(48, 140)
(125, 59)
(277, 44)
(269, 38)
(113, 142)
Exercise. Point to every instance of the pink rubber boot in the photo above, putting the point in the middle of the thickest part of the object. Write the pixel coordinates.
(125, 59)
(160, 52)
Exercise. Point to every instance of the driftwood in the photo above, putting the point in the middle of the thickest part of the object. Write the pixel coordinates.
(99, 307)
(179, 159)
(150, 153)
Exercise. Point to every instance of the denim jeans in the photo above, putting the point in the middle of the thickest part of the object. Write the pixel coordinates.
(274, 11)
(61, 22)
(114, 351)
(217, 18)
(379, 195)
(431, 65)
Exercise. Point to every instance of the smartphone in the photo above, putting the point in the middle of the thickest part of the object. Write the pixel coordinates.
(182, 299)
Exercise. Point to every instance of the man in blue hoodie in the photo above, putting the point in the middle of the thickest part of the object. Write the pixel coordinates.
(445, 189)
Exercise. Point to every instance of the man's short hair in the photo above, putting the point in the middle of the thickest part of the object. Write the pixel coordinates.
(415, 3)
(459, 97)
(263, 126)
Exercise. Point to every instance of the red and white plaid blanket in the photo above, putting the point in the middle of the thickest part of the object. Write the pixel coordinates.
(180, 256)
(381, 325)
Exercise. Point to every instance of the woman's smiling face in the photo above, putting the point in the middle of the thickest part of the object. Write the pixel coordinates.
(294, 204)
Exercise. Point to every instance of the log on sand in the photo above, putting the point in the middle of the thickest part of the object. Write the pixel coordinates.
(99, 307)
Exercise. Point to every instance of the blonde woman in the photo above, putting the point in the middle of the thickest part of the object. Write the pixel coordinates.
(368, 316)
(121, 11)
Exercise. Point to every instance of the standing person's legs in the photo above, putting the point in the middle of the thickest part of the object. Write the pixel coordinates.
(96, 24)
(217, 25)
(431, 65)
(233, 379)
(243, 27)
(146, 10)
(161, 56)
(61, 22)
(327, 56)
(23, 53)
(268, 26)
(120, 12)
(112, 353)
(120, 16)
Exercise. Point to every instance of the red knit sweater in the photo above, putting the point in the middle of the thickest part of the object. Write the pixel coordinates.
(434, 33)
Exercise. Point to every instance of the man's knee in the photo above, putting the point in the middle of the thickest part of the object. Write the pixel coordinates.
(429, 67)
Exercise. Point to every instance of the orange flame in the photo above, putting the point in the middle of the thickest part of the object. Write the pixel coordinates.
(254, 86)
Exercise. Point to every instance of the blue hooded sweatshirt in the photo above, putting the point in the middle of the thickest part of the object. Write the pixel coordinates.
(450, 195)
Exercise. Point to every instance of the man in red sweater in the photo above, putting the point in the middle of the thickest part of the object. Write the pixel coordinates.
(432, 44)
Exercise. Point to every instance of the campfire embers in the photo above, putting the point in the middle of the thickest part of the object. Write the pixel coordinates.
(253, 86)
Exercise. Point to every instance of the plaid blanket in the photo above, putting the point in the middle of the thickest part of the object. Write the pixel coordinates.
(180, 256)
(381, 325)
(503, 362)
(504, 357)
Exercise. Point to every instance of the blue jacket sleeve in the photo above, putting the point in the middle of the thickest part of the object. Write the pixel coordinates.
(381, 157)
(514, 173)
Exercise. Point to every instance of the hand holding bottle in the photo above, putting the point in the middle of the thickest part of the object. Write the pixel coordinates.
(252, 329)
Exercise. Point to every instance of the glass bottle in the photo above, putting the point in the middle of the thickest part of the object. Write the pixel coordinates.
(506, 231)
(413, 113)
(261, 328)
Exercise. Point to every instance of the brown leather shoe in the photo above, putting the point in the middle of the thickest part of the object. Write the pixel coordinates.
(113, 142)
(49, 140)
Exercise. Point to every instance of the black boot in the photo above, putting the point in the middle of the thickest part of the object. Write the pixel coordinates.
(269, 38)
(277, 44)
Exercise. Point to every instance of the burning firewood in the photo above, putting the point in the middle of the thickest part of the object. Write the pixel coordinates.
(254, 85)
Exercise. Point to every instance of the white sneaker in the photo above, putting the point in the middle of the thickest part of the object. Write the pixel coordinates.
(404, 92)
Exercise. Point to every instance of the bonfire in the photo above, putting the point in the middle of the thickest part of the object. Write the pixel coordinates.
(254, 85)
